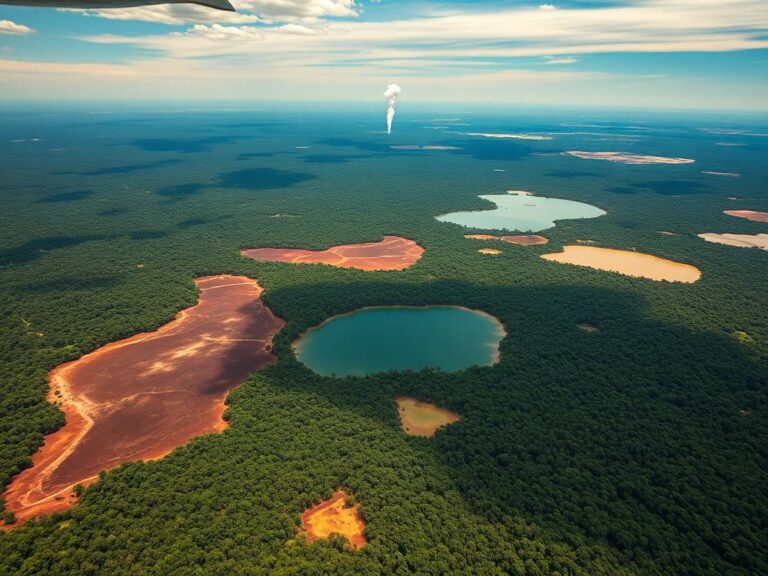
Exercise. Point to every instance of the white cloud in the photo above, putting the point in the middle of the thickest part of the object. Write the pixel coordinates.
(8, 27)
(297, 29)
(177, 79)
(440, 54)
(170, 14)
(217, 32)
(285, 9)
(648, 26)
(561, 61)
(249, 11)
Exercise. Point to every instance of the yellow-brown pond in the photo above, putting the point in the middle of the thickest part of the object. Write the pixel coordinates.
(419, 418)
(626, 262)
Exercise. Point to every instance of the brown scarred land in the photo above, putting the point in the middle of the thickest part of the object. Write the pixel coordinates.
(139, 398)
(753, 215)
(392, 253)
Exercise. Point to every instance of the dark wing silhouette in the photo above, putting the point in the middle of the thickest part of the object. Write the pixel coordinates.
(218, 4)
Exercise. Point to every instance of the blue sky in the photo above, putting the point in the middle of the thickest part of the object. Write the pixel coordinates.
(692, 54)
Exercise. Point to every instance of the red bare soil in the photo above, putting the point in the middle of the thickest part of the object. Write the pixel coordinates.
(139, 398)
(748, 214)
(526, 240)
(392, 253)
(333, 517)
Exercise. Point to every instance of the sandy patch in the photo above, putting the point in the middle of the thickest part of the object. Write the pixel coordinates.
(419, 418)
(732, 132)
(748, 214)
(523, 240)
(417, 147)
(626, 262)
(139, 398)
(743, 337)
(392, 253)
(482, 237)
(627, 157)
(726, 174)
(490, 251)
(334, 517)
(503, 136)
(740, 240)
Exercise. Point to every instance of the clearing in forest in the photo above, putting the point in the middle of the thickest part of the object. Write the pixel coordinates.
(392, 253)
(334, 516)
(139, 398)
(753, 215)
(419, 418)
(740, 240)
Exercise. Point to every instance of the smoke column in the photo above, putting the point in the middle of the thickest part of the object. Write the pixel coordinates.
(391, 94)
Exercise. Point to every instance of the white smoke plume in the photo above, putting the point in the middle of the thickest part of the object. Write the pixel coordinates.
(391, 94)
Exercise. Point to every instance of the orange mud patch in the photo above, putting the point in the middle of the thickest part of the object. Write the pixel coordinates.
(527, 240)
(489, 251)
(626, 262)
(139, 398)
(332, 517)
(587, 327)
(627, 157)
(740, 240)
(422, 418)
(748, 214)
(392, 253)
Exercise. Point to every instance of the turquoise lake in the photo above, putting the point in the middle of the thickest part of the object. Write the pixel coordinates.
(517, 212)
(401, 338)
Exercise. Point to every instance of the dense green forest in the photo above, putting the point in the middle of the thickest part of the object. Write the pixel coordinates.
(641, 448)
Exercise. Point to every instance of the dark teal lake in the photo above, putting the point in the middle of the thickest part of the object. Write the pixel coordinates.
(401, 338)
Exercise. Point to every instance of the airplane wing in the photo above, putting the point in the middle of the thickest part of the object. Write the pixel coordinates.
(86, 4)
(218, 4)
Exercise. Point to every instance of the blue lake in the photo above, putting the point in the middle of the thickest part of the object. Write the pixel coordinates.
(374, 340)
